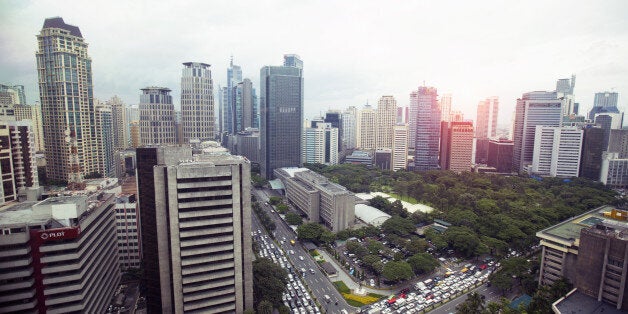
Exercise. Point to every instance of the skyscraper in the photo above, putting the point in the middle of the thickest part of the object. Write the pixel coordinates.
(227, 107)
(385, 119)
(321, 144)
(456, 146)
(349, 127)
(281, 110)
(427, 127)
(399, 158)
(119, 123)
(485, 127)
(604, 102)
(532, 109)
(592, 149)
(335, 118)
(197, 102)
(195, 221)
(565, 92)
(65, 89)
(105, 134)
(245, 106)
(32, 113)
(13, 95)
(366, 128)
(156, 116)
(557, 151)
(445, 107)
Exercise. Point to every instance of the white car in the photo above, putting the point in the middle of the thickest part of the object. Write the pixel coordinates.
(300, 257)
(372, 282)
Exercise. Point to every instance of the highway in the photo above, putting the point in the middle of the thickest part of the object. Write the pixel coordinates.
(317, 281)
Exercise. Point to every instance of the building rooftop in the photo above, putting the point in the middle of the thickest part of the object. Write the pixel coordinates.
(57, 22)
(579, 303)
(370, 214)
(19, 214)
(292, 170)
(568, 231)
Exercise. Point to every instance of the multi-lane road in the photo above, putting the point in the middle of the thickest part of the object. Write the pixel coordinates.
(313, 277)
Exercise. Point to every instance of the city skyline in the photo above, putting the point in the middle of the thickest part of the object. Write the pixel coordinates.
(471, 52)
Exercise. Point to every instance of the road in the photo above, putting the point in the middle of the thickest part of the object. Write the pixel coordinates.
(450, 307)
(317, 282)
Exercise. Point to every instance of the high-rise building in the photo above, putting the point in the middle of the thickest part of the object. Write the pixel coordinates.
(614, 170)
(366, 128)
(557, 151)
(105, 134)
(485, 127)
(157, 125)
(334, 117)
(59, 255)
(608, 121)
(320, 144)
(195, 228)
(592, 149)
(456, 148)
(445, 107)
(245, 144)
(32, 113)
(385, 120)
(604, 102)
(67, 104)
(349, 127)
(456, 116)
(281, 109)
(8, 192)
(500, 155)
(119, 123)
(12, 95)
(134, 131)
(400, 147)
(590, 251)
(246, 113)
(402, 115)
(618, 142)
(565, 91)
(532, 109)
(227, 107)
(427, 117)
(23, 157)
(128, 233)
(197, 102)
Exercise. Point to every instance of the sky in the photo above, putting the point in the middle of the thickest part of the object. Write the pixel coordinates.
(354, 52)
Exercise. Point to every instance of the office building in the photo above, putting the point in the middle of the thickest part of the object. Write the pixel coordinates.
(445, 107)
(119, 123)
(349, 128)
(245, 144)
(320, 200)
(618, 142)
(320, 144)
(592, 149)
(281, 108)
(8, 192)
(246, 113)
(399, 159)
(557, 151)
(195, 231)
(385, 120)
(500, 155)
(59, 255)
(334, 117)
(565, 91)
(228, 102)
(614, 170)
(360, 157)
(197, 102)
(485, 127)
(105, 139)
(456, 147)
(609, 121)
(128, 232)
(23, 160)
(12, 95)
(383, 159)
(32, 113)
(157, 117)
(456, 116)
(427, 117)
(604, 102)
(590, 251)
(134, 132)
(67, 103)
(532, 109)
(366, 128)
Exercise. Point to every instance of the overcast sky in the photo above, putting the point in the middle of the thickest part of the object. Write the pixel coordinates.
(353, 51)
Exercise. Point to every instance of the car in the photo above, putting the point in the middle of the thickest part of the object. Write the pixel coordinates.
(300, 257)
(372, 282)
(312, 271)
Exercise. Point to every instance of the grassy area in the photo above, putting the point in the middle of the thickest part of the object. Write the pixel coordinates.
(342, 287)
(408, 199)
(353, 299)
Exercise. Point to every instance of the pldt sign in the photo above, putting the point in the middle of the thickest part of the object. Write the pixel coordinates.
(59, 234)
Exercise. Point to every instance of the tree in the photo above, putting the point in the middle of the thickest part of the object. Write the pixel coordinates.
(374, 246)
(274, 200)
(474, 304)
(415, 245)
(282, 208)
(265, 307)
(502, 281)
(422, 263)
(310, 231)
(399, 226)
(380, 203)
(293, 219)
(462, 239)
(269, 281)
(373, 263)
(397, 271)
(354, 247)
(327, 237)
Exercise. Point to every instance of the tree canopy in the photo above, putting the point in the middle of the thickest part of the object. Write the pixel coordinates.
(397, 271)
(269, 281)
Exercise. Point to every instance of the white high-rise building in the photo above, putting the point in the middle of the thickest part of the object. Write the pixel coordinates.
(349, 127)
(32, 113)
(156, 116)
(534, 108)
(399, 158)
(386, 117)
(366, 128)
(197, 102)
(320, 144)
(486, 124)
(557, 151)
(445, 107)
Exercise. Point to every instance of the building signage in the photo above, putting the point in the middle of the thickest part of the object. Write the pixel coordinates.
(59, 234)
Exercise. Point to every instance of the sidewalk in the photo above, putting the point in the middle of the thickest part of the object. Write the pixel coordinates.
(348, 279)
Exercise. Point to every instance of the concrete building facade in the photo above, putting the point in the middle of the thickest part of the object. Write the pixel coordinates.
(366, 128)
(427, 118)
(32, 113)
(320, 144)
(197, 102)
(349, 128)
(156, 123)
(128, 232)
(557, 151)
(385, 120)
(400, 147)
